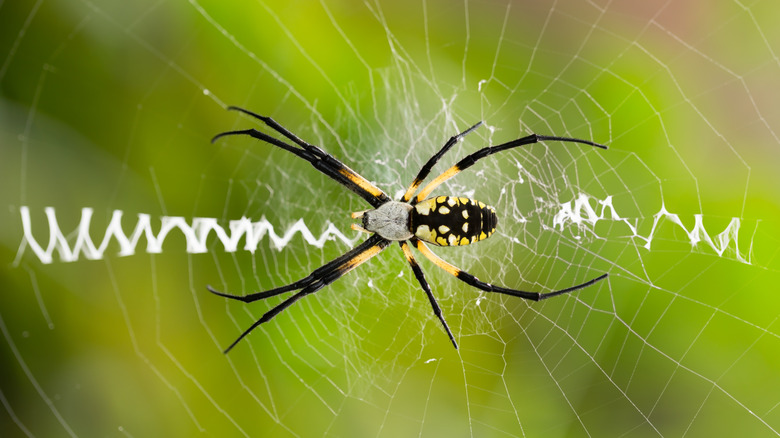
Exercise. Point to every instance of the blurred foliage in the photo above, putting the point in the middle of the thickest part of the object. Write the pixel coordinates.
(111, 105)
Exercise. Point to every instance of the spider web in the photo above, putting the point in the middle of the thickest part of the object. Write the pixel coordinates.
(107, 111)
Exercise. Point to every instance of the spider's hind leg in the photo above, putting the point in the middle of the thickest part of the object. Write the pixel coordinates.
(471, 280)
(470, 159)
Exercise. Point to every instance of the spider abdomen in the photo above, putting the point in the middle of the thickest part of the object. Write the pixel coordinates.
(452, 221)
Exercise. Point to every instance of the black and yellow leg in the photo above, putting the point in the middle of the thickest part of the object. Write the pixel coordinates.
(427, 288)
(487, 287)
(315, 281)
(318, 158)
(426, 169)
(467, 162)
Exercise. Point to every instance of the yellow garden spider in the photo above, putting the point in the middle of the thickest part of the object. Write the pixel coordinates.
(441, 220)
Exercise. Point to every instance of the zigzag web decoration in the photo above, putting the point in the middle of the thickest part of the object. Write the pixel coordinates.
(197, 232)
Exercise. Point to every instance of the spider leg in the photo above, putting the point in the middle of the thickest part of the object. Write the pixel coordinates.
(469, 160)
(426, 287)
(318, 158)
(277, 310)
(426, 169)
(487, 287)
(275, 126)
(306, 281)
(315, 281)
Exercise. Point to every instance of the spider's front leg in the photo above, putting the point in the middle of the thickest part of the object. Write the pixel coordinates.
(313, 282)
(321, 160)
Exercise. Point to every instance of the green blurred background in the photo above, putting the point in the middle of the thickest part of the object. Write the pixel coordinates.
(111, 105)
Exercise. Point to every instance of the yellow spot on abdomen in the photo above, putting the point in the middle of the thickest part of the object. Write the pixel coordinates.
(425, 233)
(423, 208)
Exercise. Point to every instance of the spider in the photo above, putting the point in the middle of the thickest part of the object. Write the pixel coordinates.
(410, 221)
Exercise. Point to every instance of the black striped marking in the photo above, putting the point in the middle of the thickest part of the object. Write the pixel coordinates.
(452, 221)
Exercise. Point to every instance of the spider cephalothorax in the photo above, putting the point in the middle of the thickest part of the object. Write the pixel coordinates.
(440, 220)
